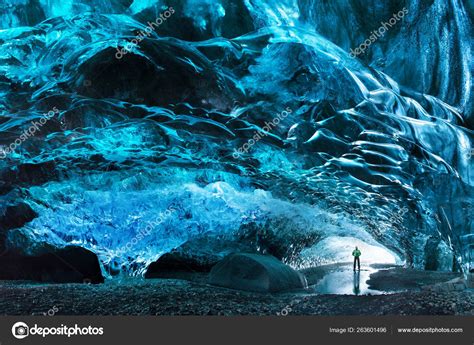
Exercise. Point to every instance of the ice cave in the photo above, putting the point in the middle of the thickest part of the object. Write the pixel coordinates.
(138, 130)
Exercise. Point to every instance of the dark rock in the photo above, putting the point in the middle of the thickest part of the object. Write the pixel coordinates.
(36, 174)
(12, 217)
(15, 216)
(196, 255)
(431, 254)
(67, 265)
(175, 261)
(27, 174)
(255, 272)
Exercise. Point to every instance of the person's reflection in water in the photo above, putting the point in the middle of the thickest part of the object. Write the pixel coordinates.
(356, 289)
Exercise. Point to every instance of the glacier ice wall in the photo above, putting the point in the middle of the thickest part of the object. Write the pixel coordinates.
(236, 118)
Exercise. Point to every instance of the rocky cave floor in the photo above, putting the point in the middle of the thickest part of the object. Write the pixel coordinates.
(190, 295)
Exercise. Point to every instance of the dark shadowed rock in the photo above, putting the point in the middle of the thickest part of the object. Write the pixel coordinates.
(27, 174)
(12, 217)
(197, 255)
(255, 272)
(15, 216)
(67, 265)
(175, 262)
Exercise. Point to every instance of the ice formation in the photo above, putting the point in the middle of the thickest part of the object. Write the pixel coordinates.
(176, 132)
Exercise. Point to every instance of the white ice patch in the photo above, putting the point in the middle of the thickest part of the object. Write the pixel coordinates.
(336, 249)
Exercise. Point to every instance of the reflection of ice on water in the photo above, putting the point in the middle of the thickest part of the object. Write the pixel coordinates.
(346, 282)
(356, 282)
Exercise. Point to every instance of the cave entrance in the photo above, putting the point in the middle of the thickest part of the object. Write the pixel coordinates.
(339, 277)
(338, 249)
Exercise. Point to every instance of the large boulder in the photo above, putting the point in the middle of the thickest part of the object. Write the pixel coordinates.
(255, 272)
(66, 265)
(70, 264)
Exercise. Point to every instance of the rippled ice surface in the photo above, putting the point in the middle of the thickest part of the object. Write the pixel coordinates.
(375, 148)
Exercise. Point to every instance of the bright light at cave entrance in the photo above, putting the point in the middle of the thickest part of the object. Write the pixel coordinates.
(339, 249)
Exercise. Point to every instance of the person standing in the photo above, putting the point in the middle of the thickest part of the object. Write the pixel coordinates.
(356, 254)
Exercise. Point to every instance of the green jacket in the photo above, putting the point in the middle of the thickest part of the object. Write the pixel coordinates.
(356, 253)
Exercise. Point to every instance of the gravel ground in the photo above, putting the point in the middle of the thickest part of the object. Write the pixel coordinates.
(179, 297)
(399, 278)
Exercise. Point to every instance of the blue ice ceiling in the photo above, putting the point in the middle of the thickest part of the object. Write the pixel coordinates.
(152, 100)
